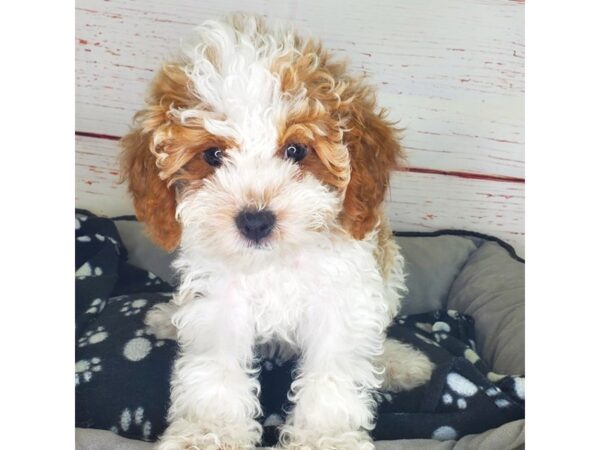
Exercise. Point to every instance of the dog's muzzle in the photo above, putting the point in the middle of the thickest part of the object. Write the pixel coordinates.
(255, 225)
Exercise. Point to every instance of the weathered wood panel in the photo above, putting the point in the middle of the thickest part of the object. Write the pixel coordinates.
(417, 201)
(430, 202)
(96, 178)
(450, 70)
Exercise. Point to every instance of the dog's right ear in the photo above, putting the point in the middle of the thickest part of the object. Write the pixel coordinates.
(154, 200)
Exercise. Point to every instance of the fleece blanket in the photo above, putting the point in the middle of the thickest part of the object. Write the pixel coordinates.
(122, 371)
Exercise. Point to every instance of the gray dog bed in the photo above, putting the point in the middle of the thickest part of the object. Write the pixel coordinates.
(472, 274)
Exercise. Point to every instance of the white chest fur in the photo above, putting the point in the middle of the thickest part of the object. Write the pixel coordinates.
(327, 301)
(280, 296)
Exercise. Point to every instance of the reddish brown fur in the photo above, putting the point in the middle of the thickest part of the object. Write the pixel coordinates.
(338, 113)
(154, 202)
(341, 109)
(375, 151)
(159, 154)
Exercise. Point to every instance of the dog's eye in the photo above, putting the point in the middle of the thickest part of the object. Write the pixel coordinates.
(213, 156)
(295, 152)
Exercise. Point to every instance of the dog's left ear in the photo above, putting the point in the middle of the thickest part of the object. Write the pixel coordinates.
(153, 198)
(374, 146)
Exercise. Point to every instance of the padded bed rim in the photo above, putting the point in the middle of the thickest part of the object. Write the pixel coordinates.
(444, 232)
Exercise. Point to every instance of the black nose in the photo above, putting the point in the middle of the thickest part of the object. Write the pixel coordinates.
(255, 225)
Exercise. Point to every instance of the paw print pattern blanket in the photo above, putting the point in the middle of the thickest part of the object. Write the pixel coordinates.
(122, 371)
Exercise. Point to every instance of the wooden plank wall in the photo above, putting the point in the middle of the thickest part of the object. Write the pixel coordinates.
(451, 71)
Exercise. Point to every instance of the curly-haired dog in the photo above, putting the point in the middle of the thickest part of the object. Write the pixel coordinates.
(266, 164)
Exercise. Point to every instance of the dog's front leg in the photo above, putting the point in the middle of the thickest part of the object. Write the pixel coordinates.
(213, 388)
(336, 379)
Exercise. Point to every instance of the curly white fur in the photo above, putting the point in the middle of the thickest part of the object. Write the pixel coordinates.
(325, 301)
(312, 290)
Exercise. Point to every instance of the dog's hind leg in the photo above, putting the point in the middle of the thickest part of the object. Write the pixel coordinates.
(405, 367)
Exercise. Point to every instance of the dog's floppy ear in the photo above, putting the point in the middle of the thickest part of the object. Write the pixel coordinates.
(374, 147)
(154, 200)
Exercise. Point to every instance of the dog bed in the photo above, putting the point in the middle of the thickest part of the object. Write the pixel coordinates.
(465, 310)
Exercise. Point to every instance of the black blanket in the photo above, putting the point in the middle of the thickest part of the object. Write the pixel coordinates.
(122, 371)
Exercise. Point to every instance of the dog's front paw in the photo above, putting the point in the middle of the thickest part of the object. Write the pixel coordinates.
(293, 438)
(192, 442)
(185, 435)
(158, 320)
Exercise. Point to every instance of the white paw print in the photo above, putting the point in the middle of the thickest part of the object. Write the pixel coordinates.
(87, 270)
(102, 238)
(140, 346)
(440, 336)
(92, 337)
(448, 399)
(502, 403)
(423, 326)
(444, 433)
(96, 306)
(461, 385)
(453, 313)
(153, 279)
(78, 219)
(85, 368)
(426, 339)
(520, 387)
(131, 307)
(129, 420)
(440, 327)
(493, 391)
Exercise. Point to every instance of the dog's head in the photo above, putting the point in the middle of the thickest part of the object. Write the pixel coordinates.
(256, 139)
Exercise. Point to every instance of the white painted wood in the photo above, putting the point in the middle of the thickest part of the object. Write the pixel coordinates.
(96, 178)
(450, 70)
(431, 202)
(417, 201)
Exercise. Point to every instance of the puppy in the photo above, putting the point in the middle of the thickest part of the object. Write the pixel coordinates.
(265, 163)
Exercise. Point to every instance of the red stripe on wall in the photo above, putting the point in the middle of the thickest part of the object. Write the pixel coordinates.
(470, 175)
(98, 136)
(451, 173)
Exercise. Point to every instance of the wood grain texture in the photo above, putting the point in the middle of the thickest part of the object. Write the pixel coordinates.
(416, 201)
(430, 202)
(96, 178)
(450, 70)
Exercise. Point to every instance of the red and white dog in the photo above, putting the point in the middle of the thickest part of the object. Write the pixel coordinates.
(266, 164)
